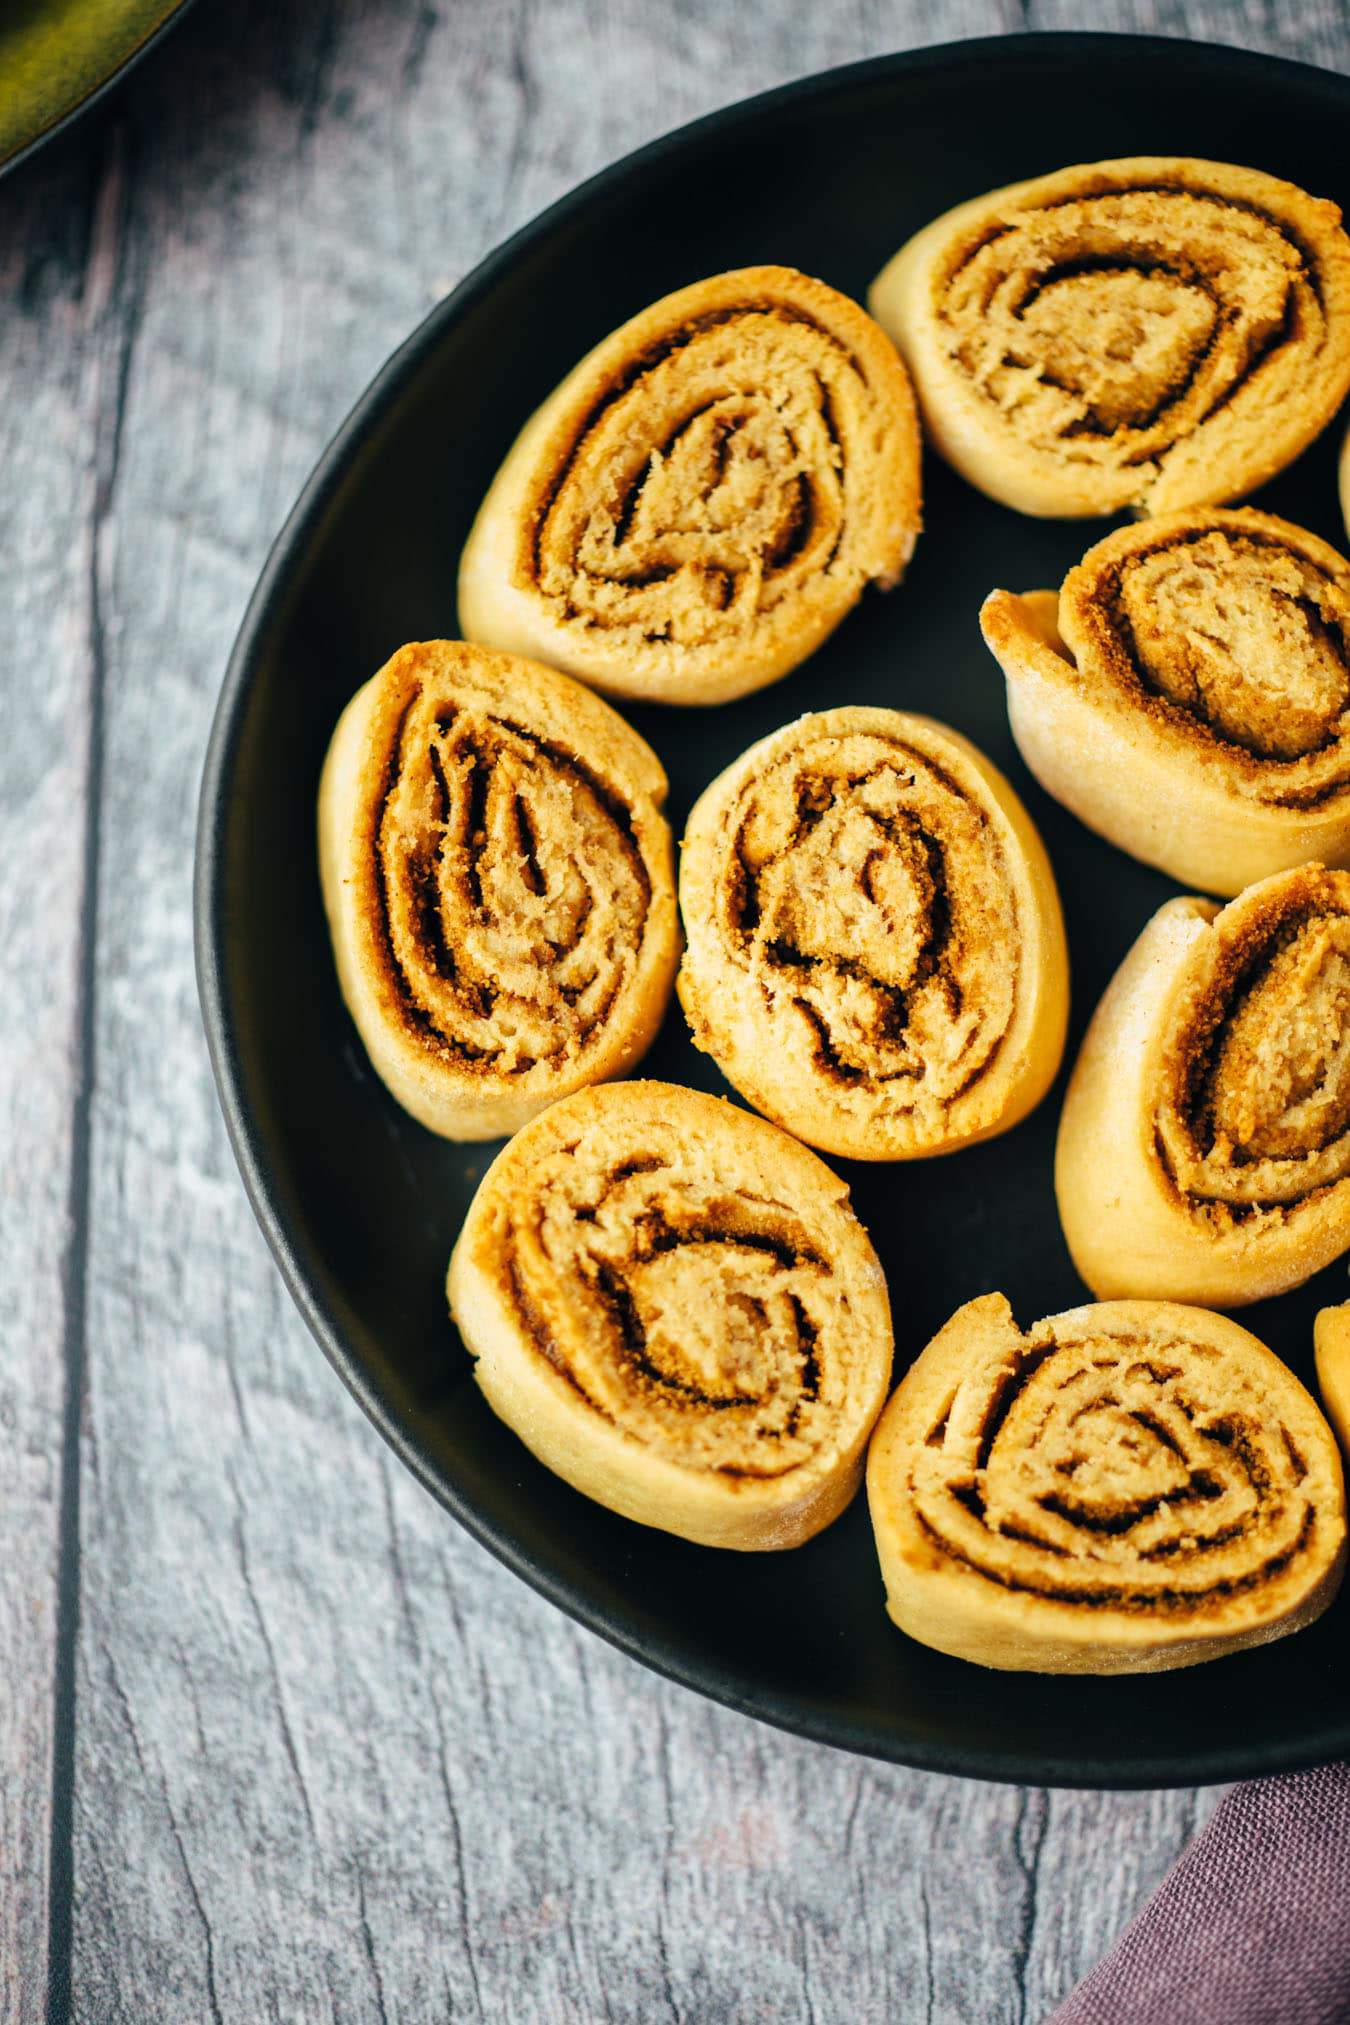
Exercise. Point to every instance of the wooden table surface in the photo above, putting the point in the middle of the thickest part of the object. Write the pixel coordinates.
(278, 1741)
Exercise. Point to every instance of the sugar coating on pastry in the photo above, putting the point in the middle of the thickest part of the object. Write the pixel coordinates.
(1331, 1346)
(875, 953)
(1156, 332)
(1204, 1145)
(674, 1306)
(1187, 694)
(499, 883)
(1123, 1488)
(705, 496)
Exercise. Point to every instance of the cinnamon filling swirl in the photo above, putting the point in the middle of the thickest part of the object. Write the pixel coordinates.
(513, 896)
(1204, 1143)
(1116, 1470)
(1157, 332)
(498, 880)
(866, 945)
(1235, 629)
(673, 1305)
(709, 483)
(701, 1324)
(705, 496)
(1119, 1489)
(1107, 325)
(869, 893)
(1187, 693)
(1255, 1097)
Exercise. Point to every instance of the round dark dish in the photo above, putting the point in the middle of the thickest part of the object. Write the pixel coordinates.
(361, 1206)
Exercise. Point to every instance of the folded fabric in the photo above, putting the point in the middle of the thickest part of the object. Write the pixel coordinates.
(1251, 1926)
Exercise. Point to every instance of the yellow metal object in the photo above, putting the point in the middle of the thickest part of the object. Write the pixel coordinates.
(56, 54)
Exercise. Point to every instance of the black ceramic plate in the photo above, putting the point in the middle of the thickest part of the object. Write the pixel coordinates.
(361, 1206)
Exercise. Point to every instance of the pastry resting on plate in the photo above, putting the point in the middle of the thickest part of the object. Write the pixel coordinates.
(676, 1309)
(499, 883)
(1120, 1489)
(1204, 1145)
(1331, 1343)
(1153, 333)
(705, 496)
(875, 952)
(1187, 694)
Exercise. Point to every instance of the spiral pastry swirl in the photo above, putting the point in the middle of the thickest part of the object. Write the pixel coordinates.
(1204, 1146)
(673, 1305)
(875, 950)
(1188, 694)
(1121, 1489)
(705, 496)
(499, 884)
(1154, 333)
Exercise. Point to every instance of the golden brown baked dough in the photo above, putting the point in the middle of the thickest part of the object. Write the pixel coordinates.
(705, 496)
(1188, 694)
(1331, 1344)
(1121, 1489)
(499, 884)
(1153, 333)
(875, 948)
(1345, 481)
(675, 1308)
(1204, 1146)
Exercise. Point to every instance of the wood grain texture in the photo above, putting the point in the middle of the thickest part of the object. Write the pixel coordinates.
(327, 1759)
(61, 350)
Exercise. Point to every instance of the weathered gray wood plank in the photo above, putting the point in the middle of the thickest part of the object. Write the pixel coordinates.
(58, 360)
(329, 1760)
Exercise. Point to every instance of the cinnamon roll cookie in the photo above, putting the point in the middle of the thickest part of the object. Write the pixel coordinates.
(1153, 333)
(705, 496)
(1120, 1489)
(1204, 1145)
(1187, 694)
(675, 1308)
(875, 952)
(499, 883)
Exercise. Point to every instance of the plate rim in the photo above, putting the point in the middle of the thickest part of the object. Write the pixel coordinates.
(380, 393)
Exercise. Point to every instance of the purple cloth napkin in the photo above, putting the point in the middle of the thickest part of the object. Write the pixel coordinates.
(1251, 1926)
